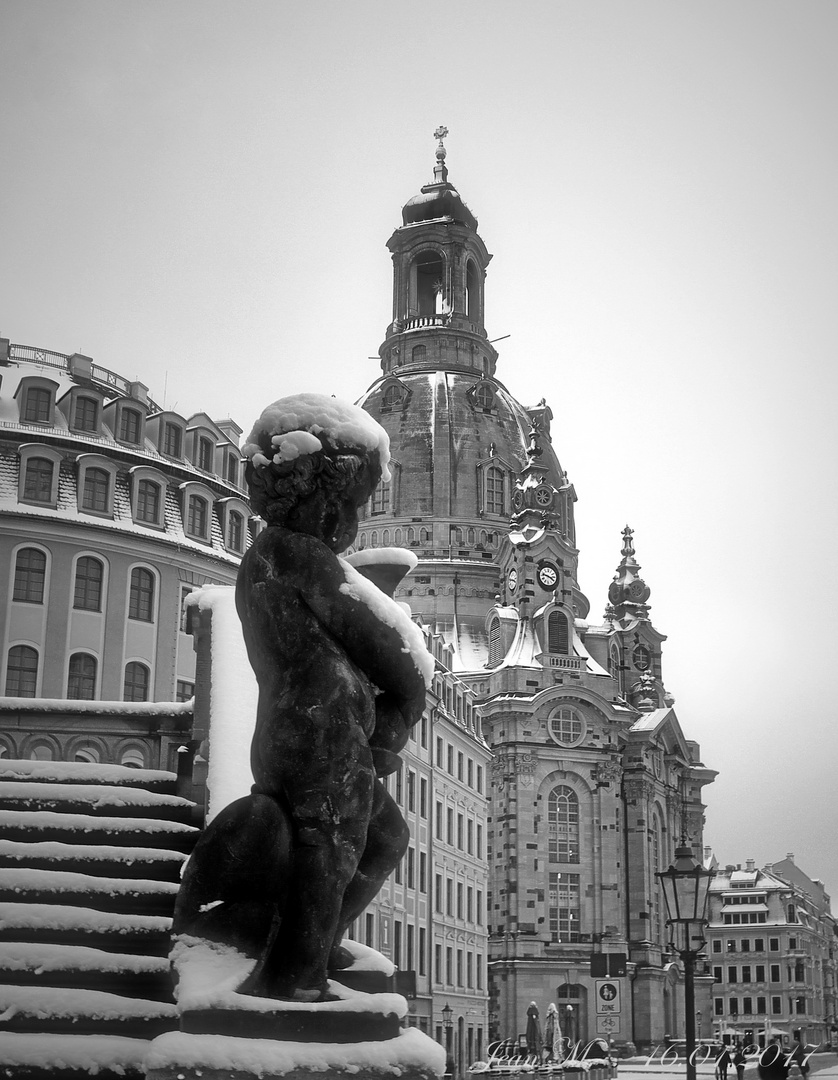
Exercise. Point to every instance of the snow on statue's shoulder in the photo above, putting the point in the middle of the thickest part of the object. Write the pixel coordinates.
(392, 614)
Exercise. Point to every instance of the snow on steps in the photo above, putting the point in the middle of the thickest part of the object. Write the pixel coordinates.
(29, 964)
(98, 860)
(71, 1057)
(136, 895)
(90, 858)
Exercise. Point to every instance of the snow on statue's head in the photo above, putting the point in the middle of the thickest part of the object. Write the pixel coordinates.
(312, 445)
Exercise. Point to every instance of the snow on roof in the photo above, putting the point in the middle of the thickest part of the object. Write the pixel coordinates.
(340, 421)
(66, 917)
(36, 820)
(412, 1049)
(94, 795)
(87, 1053)
(650, 720)
(44, 960)
(28, 879)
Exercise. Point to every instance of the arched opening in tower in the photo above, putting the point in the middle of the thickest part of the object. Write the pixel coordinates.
(429, 269)
(472, 293)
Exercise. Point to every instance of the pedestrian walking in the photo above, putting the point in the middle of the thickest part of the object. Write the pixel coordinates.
(552, 1034)
(798, 1055)
(739, 1060)
(723, 1063)
(772, 1063)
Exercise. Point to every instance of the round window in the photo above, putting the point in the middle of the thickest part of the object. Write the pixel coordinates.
(567, 726)
(642, 658)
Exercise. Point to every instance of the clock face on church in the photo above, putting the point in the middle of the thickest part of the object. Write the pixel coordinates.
(548, 575)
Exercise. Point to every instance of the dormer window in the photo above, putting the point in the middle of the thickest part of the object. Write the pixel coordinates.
(172, 439)
(37, 399)
(96, 479)
(196, 509)
(130, 425)
(483, 396)
(495, 656)
(233, 468)
(85, 414)
(148, 496)
(234, 514)
(206, 454)
(39, 470)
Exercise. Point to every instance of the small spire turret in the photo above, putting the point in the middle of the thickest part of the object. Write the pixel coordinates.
(628, 591)
(440, 170)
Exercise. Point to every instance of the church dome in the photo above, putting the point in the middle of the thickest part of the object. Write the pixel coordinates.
(438, 201)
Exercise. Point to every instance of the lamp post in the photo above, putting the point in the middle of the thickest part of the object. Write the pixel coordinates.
(448, 1024)
(686, 885)
(698, 1025)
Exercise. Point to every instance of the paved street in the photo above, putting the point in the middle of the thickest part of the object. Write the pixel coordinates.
(825, 1065)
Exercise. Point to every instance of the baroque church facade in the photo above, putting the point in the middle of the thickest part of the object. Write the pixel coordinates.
(593, 782)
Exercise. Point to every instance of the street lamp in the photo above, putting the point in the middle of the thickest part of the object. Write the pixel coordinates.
(686, 885)
(448, 1024)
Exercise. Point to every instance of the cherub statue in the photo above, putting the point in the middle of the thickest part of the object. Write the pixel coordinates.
(342, 674)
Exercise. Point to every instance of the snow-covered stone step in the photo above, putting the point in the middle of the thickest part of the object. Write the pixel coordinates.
(83, 772)
(99, 860)
(31, 1010)
(34, 826)
(68, 925)
(94, 799)
(71, 1057)
(28, 964)
(30, 886)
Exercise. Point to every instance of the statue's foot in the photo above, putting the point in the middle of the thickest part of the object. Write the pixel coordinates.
(340, 958)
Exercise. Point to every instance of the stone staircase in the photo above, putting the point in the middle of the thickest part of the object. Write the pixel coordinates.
(90, 859)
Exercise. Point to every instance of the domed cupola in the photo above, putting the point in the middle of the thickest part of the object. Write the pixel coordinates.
(628, 592)
(439, 275)
(439, 199)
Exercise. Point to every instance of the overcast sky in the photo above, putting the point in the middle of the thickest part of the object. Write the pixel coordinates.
(198, 194)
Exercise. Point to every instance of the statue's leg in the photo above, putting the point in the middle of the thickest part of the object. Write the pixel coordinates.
(234, 884)
(330, 798)
(387, 840)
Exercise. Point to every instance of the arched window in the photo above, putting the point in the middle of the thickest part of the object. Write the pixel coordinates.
(37, 480)
(30, 576)
(137, 677)
(87, 754)
(95, 491)
(418, 354)
(88, 586)
(564, 918)
(657, 850)
(148, 502)
(495, 502)
(141, 595)
(791, 913)
(563, 825)
(362, 543)
(393, 394)
(494, 643)
(86, 414)
(557, 633)
(38, 406)
(132, 758)
(206, 454)
(197, 517)
(385, 538)
(235, 532)
(130, 421)
(397, 537)
(483, 396)
(374, 538)
(472, 292)
(42, 752)
(22, 671)
(81, 680)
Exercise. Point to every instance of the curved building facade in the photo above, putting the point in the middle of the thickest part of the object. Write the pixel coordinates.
(111, 509)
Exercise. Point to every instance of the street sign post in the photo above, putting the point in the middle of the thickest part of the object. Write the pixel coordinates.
(607, 997)
(608, 1025)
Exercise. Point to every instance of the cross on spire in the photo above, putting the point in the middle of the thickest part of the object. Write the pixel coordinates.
(440, 171)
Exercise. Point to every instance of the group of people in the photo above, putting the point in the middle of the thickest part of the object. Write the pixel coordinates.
(773, 1062)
